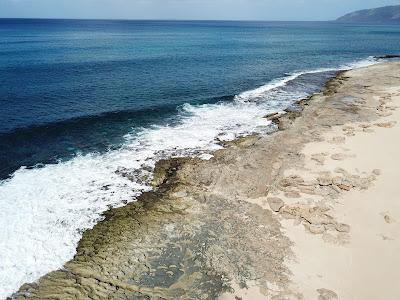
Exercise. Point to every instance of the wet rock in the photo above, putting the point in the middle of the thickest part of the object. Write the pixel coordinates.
(271, 116)
(196, 218)
(388, 56)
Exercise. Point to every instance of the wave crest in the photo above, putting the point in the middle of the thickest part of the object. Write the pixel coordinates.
(44, 210)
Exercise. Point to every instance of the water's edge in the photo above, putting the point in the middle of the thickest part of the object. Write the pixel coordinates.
(163, 175)
(165, 180)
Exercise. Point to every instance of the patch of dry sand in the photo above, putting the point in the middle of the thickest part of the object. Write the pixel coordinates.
(341, 205)
(309, 212)
(367, 265)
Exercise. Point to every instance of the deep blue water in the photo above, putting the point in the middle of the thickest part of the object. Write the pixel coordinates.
(127, 93)
(69, 86)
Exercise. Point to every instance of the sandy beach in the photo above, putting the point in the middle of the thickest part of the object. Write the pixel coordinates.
(311, 211)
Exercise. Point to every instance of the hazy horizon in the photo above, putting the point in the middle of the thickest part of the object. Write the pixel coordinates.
(234, 10)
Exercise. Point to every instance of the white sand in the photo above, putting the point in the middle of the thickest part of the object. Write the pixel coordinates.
(368, 265)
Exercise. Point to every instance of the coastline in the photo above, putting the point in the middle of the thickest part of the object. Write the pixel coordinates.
(201, 234)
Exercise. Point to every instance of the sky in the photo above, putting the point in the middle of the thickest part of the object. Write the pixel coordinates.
(287, 10)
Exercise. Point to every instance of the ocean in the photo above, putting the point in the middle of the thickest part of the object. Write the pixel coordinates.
(88, 106)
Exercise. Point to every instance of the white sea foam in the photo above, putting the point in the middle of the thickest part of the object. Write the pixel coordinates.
(44, 211)
(260, 92)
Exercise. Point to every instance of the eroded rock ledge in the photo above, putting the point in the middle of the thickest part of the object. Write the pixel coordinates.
(201, 232)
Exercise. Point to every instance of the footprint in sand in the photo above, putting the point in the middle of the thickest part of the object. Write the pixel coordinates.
(325, 294)
(386, 238)
(349, 131)
(392, 108)
(319, 157)
(384, 114)
(339, 156)
(377, 172)
(388, 219)
(368, 130)
(337, 140)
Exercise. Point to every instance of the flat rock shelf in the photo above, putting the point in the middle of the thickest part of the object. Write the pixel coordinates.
(247, 223)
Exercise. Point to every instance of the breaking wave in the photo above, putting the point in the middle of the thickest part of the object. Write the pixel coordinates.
(44, 210)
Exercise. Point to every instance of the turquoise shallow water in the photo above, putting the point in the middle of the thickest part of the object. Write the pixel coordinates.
(71, 86)
(88, 107)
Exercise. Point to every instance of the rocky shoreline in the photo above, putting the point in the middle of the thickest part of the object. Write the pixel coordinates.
(216, 229)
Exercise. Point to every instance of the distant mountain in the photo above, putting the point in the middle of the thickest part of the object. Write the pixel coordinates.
(387, 14)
